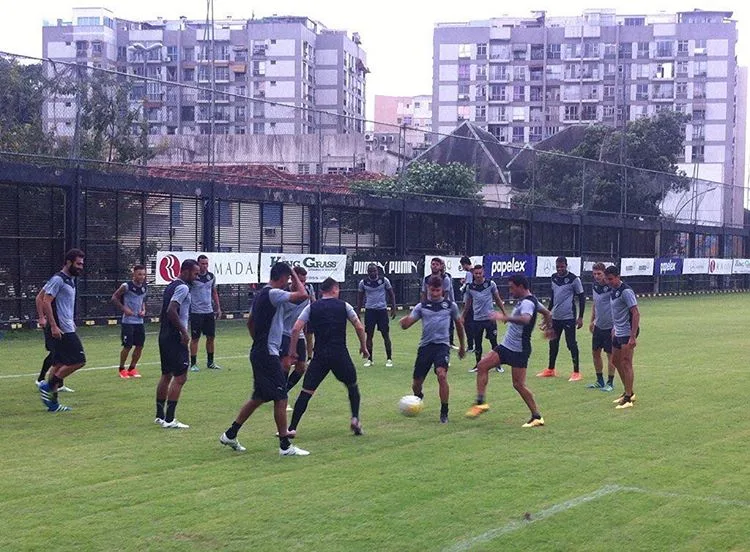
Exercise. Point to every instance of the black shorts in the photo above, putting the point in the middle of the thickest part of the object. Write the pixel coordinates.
(432, 355)
(174, 356)
(202, 324)
(601, 339)
(376, 318)
(514, 359)
(269, 380)
(561, 325)
(338, 362)
(49, 341)
(68, 350)
(301, 347)
(485, 327)
(618, 342)
(133, 335)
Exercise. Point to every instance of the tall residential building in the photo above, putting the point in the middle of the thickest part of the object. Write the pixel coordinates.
(523, 79)
(413, 112)
(277, 61)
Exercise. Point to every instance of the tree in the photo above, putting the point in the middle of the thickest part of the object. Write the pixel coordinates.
(628, 170)
(432, 180)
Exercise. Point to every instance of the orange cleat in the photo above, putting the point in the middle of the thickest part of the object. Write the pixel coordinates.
(548, 373)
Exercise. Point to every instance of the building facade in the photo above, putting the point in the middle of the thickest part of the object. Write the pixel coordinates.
(413, 114)
(272, 75)
(524, 79)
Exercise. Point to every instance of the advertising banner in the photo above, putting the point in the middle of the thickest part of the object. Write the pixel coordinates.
(668, 266)
(392, 268)
(502, 266)
(740, 266)
(637, 267)
(545, 266)
(588, 266)
(229, 268)
(318, 266)
(452, 265)
(695, 266)
(719, 266)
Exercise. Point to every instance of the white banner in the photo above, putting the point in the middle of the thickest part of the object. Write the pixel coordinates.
(452, 265)
(545, 266)
(637, 267)
(720, 266)
(695, 266)
(740, 266)
(319, 267)
(588, 266)
(229, 268)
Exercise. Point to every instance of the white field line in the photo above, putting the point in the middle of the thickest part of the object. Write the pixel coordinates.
(572, 503)
(95, 368)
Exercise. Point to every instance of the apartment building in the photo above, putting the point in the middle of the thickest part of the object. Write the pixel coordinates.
(393, 113)
(524, 79)
(260, 67)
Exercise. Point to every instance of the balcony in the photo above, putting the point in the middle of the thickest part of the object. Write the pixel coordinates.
(500, 99)
(502, 77)
(480, 118)
(591, 75)
(259, 51)
(664, 53)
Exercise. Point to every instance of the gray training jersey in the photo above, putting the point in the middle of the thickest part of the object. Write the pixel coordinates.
(183, 297)
(436, 317)
(623, 298)
(133, 297)
(277, 297)
(447, 286)
(482, 299)
(63, 288)
(291, 314)
(564, 290)
(375, 292)
(201, 293)
(518, 336)
(602, 306)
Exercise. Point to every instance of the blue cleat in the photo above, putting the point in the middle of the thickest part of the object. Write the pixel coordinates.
(57, 407)
(47, 395)
(607, 388)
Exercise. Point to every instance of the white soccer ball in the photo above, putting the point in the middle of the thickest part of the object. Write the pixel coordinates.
(410, 405)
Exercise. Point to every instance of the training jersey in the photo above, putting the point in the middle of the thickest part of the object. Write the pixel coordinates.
(623, 299)
(179, 292)
(292, 312)
(447, 286)
(326, 318)
(518, 336)
(133, 297)
(375, 292)
(63, 288)
(268, 319)
(564, 291)
(482, 299)
(603, 314)
(436, 318)
(201, 293)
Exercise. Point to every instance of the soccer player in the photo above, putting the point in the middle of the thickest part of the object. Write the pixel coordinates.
(480, 296)
(265, 326)
(468, 316)
(327, 319)
(292, 310)
(49, 343)
(58, 306)
(173, 345)
(566, 286)
(203, 316)
(515, 348)
(437, 268)
(372, 294)
(434, 346)
(601, 330)
(626, 319)
(130, 298)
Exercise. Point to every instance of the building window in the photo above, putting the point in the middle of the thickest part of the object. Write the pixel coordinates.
(519, 52)
(482, 50)
(519, 73)
(682, 68)
(664, 48)
(698, 154)
(536, 115)
(481, 94)
(553, 51)
(82, 48)
(464, 51)
(535, 134)
(700, 69)
(188, 53)
(464, 71)
(303, 168)
(682, 47)
(519, 93)
(259, 68)
(480, 113)
(699, 132)
(699, 114)
(481, 72)
(681, 90)
(259, 128)
(626, 50)
(635, 21)
(588, 113)
(641, 92)
(553, 94)
(609, 92)
(96, 48)
(176, 214)
(571, 113)
(89, 21)
(609, 112)
(643, 50)
(463, 92)
(188, 75)
(700, 47)
(187, 113)
(463, 112)
(699, 90)
(536, 94)
(518, 134)
(519, 114)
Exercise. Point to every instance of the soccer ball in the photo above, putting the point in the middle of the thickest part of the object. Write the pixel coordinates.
(410, 405)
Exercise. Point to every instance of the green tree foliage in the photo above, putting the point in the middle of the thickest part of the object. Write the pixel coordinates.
(432, 180)
(649, 147)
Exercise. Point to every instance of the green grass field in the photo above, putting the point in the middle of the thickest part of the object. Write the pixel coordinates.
(670, 474)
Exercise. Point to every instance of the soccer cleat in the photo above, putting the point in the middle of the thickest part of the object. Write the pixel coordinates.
(174, 424)
(534, 422)
(290, 433)
(389, 363)
(618, 399)
(214, 366)
(473, 370)
(159, 421)
(39, 383)
(454, 346)
(476, 410)
(575, 376)
(624, 404)
(65, 389)
(289, 408)
(356, 427)
(607, 388)
(444, 418)
(48, 397)
(368, 363)
(547, 373)
(293, 451)
(595, 385)
(134, 373)
(499, 369)
(124, 374)
(57, 407)
(194, 368)
(470, 350)
(234, 444)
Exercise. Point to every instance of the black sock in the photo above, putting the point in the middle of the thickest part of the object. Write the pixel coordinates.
(610, 380)
(600, 378)
(354, 399)
(536, 416)
(193, 360)
(210, 359)
(171, 407)
(294, 378)
(443, 409)
(55, 383)
(121, 367)
(300, 406)
(480, 399)
(420, 395)
(284, 442)
(46, 365)
(159, 409)
(231, 433)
